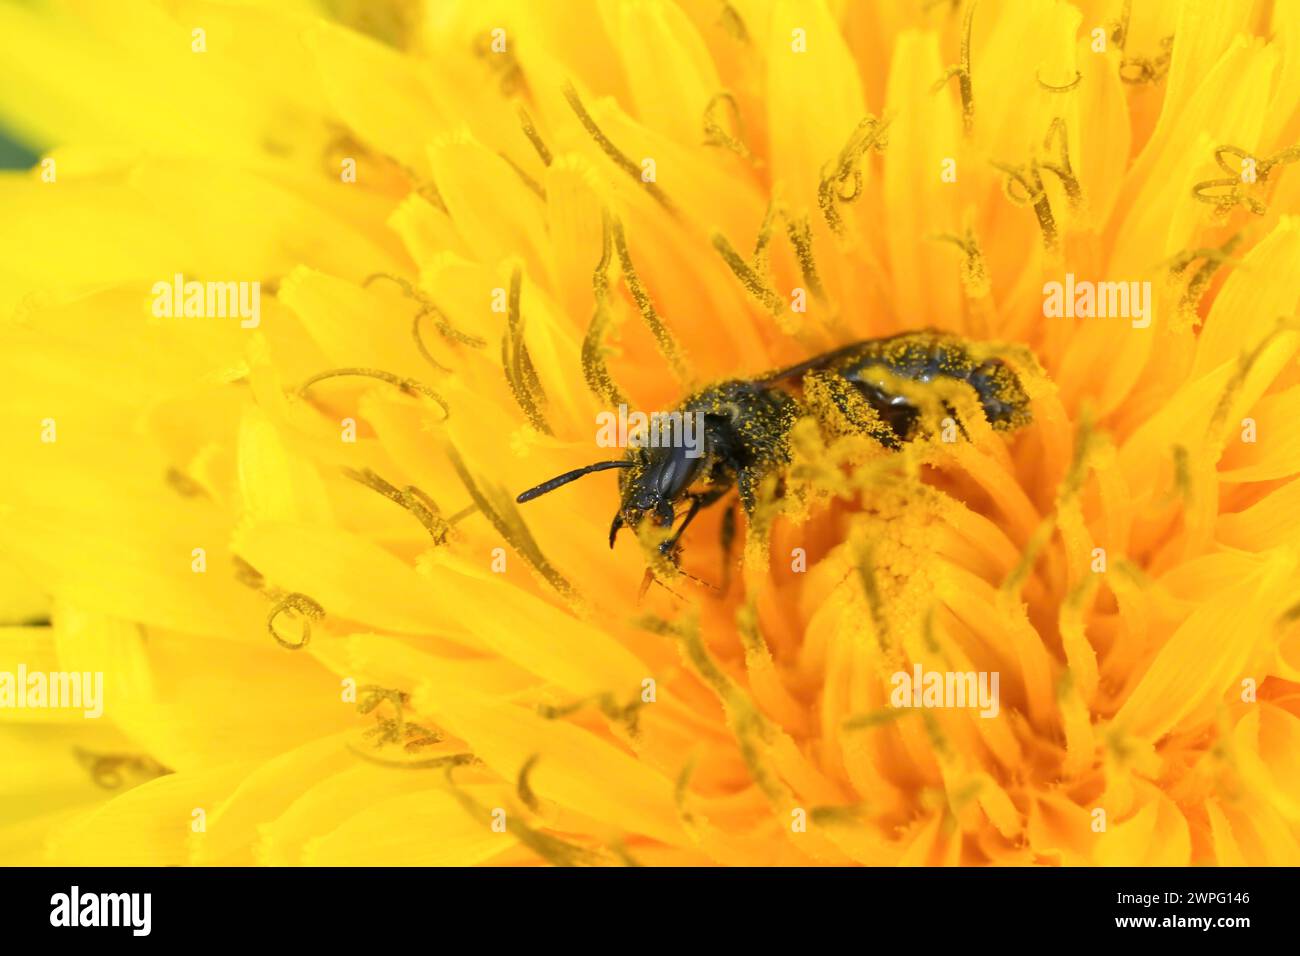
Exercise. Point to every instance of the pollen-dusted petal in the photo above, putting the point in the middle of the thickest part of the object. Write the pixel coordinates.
(348, 575)
(376, 92)
(34, 648)
(1267, 747)
(231, 824)
(1253, 298)
(575, 768)
(1157, 835)
(1202, 658)
(919, 203)
(668, 67)
(1276, 415)
(273, 484)
(147, 826)
(430, 828)
(802, 140)
(88, 77)
(498, 216)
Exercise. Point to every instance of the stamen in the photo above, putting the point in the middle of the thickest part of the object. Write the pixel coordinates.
(301, 606)
(500, 510)
(184, 485)
(875, 718)
(526, 795)
(550, 848)
(668, 346)
(621, 159)
(1062, 169)
(1245, 363)
(761, 292)
(963, 74)
(526, 121)
(408, 385)
(799, 230)
(871, 591)
(521, 374)
(248, 575)
(1215, 258)
(446, 761)
(411, 498)
(533, 185)
(594, 368)
(974, 270)
(733, 24)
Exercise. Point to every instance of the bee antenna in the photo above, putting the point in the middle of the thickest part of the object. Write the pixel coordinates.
(568, 476)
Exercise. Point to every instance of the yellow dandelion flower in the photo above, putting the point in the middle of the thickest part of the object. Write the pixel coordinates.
(298, 298)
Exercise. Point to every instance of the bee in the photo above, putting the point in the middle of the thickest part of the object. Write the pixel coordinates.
(880, 387)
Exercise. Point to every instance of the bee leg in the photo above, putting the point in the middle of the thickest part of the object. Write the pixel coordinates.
(669, 545)
(728, 538)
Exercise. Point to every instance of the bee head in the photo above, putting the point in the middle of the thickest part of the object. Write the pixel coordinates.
(651, 486)
(651, 483)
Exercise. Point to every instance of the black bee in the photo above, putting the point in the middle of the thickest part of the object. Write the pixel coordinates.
(880, 387)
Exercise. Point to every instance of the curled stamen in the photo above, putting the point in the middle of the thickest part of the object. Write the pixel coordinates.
(1064, 88)
(1235, 185)
(109, 770)
(305, 609)
(411, 498)
(594, 368)
(430, 308)
(869, 134)
(1061, 167)
(621, 159)
(408, 385)
(1031, 181)
(715, 134)
(1136, 70)
(1215, 259)
(521, 374)
(526, 121)
(668, 346)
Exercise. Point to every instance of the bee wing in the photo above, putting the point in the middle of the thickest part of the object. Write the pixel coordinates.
(817, 361)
